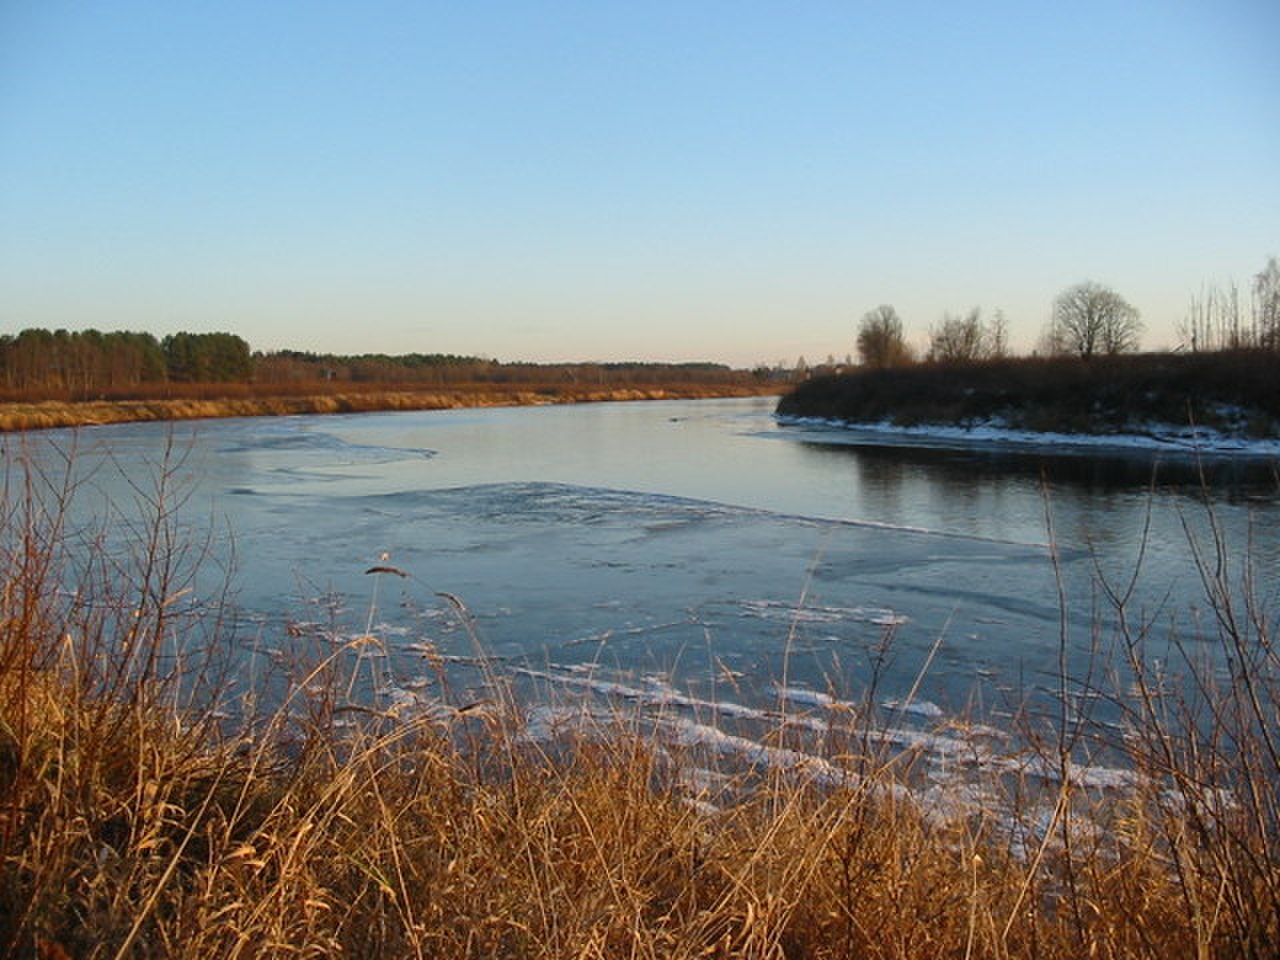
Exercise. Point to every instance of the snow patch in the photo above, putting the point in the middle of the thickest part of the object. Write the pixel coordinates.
(1153, 437)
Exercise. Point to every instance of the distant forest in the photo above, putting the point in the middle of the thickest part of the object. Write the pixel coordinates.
(90, 364)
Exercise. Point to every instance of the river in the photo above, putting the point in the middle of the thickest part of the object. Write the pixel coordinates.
(688, 552)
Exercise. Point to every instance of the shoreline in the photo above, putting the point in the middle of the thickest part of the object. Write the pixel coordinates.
(57, 414)
(991, 435)
(1186, 405)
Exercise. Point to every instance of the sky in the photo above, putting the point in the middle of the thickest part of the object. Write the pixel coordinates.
(693, 180)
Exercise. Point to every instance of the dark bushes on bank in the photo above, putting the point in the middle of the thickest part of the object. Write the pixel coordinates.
(1235, 391)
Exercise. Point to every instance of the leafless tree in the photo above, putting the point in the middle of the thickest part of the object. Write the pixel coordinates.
(1089, 319)
(998, 332)
(1213, 321)
(881, 343)
(1266, 304)
(968, 338)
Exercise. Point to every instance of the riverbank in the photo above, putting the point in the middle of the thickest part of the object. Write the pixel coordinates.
(53, 414)
(1225, 398)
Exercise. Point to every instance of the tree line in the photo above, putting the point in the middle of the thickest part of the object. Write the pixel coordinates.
(89, 364)
(89, 361)
(1087, 320)
(419, 370)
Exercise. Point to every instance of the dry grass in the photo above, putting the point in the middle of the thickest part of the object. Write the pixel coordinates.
(243, 400)
(136, 822)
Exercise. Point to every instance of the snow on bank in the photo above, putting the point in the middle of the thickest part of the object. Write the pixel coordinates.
(1153, 438)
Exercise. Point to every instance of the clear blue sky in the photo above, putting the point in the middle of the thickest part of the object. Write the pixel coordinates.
(734, 181)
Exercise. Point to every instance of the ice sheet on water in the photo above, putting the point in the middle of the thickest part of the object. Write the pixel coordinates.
(960, 770)
(799, 612)
(920, 708)
(541, 502)
(559, 572)
(303, 434)
(948, 752)
(1079, 774)
(691, 733)
(656, 693)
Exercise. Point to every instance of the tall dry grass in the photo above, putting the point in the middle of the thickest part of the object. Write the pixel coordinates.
(149, 809)
(206, 401)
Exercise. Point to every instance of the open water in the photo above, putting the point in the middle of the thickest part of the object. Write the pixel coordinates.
(697, 555)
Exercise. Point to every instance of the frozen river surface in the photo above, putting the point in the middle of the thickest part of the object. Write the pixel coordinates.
(695, 551)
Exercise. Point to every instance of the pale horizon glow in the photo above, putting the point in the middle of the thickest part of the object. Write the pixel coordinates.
(665, 181)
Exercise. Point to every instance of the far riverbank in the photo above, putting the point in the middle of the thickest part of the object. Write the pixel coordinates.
(54, 414)
(1169, 399)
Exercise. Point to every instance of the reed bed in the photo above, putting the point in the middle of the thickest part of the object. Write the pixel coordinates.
(238, 400)
(150, 808)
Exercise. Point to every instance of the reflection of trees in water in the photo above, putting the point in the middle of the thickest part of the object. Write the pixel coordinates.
(880, 484)
(1098, 503)
(959, 470)
(966, 495)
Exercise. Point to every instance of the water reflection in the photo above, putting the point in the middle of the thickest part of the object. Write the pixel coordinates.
(1115, 508)
(1237, 478)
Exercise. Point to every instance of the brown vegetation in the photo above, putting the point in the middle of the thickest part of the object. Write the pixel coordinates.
(881, 342)
(199, 401)
(149, 810)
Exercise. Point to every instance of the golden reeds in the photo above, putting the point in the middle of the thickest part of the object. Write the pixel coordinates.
(25, 415)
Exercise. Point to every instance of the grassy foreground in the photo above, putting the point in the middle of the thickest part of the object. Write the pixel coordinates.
(149, 809)
(227, 401)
